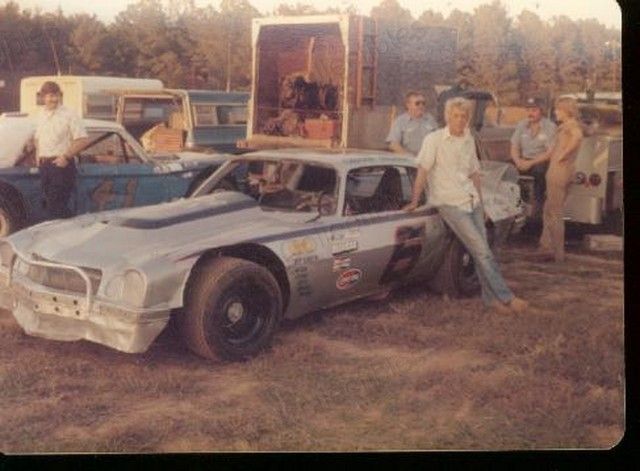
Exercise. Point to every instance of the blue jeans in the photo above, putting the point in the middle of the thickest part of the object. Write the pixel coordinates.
(470, 229)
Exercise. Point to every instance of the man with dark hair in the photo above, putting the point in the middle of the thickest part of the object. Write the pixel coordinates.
(532, 137)
(409, 129)
(59, 136)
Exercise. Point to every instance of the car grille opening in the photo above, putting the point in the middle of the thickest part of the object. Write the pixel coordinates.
(63, 279)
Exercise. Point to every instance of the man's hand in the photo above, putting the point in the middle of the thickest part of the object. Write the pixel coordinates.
(410, 207)
(524, 165)
(61, 161)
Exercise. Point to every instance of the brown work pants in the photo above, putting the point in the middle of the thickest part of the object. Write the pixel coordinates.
(558, 179)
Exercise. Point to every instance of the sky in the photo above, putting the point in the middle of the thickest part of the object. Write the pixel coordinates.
(605, 11)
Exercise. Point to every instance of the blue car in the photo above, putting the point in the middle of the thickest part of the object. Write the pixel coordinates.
(114, 172)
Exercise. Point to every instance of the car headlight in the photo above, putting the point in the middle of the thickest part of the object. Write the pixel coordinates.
(7, 255)
(129, 287)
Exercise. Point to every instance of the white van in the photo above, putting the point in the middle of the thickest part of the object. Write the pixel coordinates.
(90, 96)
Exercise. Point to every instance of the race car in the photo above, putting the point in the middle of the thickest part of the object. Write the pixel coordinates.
(270, 235)
(113, 171)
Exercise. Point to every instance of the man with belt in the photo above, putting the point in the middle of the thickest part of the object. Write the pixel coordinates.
(59, 136)
(409, 129)
(532, 137)
(449, 164)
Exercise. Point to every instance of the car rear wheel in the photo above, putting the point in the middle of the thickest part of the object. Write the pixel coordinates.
(232, 310)
(459, 273)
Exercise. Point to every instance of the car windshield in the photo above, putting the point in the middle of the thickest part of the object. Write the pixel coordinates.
(288, 185)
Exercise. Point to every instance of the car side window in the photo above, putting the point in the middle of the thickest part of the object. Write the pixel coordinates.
(379, 188)
(107, 148)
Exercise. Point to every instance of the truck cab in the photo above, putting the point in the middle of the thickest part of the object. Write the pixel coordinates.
(177, 119)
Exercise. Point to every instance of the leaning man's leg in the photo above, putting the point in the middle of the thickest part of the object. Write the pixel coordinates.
(468, 228)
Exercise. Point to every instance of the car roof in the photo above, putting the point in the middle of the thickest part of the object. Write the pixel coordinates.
(339, 158)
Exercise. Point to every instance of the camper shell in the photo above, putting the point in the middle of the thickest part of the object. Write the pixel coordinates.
(337, 80)
(92, 97)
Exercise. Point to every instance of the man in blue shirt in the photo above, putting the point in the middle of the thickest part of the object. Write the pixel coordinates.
(409, 129)
(532, 137)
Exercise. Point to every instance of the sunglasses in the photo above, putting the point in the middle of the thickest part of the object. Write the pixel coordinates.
(419, 103)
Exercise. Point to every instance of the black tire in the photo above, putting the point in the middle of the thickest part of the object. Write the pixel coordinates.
(230, 287)
(457, 273)
(9, 218)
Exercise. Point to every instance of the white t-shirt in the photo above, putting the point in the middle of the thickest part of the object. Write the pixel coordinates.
(450, 161)
(56, 129)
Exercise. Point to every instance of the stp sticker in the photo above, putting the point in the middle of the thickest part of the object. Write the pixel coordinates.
(349, 278)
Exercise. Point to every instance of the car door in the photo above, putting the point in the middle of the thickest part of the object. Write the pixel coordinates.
(112, 174)
(378, 243)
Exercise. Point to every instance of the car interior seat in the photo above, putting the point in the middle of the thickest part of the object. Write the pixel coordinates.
(388, 194)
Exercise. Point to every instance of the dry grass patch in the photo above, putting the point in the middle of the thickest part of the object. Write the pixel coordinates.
(418, 371)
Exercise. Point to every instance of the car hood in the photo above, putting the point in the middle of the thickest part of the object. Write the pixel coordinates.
(177, 230)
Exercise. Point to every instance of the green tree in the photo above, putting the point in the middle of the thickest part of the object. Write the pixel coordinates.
(495, 51)
(537, 56)
(391, 11)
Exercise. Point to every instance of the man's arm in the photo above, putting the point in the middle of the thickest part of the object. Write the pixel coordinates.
(426, 159)
(395, 137)
(76, 146)
(418, 188)
(397, 148)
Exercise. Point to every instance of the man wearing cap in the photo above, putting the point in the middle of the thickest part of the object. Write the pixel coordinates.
(532, 137)
(59, 136)
(409, 129)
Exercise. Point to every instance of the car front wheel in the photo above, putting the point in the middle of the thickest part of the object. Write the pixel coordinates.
(232, 309)
(8, 220)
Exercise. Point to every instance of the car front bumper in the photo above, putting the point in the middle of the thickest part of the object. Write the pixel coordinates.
(58, 315)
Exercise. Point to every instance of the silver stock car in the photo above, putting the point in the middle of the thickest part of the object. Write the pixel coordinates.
(271, 234)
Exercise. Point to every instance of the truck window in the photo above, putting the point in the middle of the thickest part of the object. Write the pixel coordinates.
(100, 106)
(230, 114)
(205, 115)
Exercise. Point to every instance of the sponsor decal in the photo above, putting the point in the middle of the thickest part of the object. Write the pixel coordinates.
(341, 263)
(348, 279)
(343, 246)
(297, 247)
(300, 278)
(305, 260)
(349, 234)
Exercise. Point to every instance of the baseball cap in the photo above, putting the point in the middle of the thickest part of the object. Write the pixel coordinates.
(534, 102)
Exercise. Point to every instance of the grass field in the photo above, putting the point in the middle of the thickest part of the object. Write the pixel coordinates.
(415, 372)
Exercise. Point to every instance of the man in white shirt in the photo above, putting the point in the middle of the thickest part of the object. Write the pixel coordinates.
(59, 136)
(449, 164)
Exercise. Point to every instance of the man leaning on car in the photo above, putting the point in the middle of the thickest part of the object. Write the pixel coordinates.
(59, 135)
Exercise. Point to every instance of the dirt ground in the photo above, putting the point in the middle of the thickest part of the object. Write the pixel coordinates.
(415, 372)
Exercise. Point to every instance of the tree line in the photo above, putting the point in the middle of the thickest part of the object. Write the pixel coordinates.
(203, 47)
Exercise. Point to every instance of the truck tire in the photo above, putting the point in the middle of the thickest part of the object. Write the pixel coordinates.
(9, 218)
(458, 273)
(232, 309)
